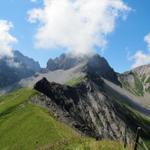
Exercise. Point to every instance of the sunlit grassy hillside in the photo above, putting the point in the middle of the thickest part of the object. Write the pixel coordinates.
(24, 126)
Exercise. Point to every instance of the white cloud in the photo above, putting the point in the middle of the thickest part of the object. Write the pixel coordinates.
(141, 58)
(77, 25)
(6, 39)
(11, 63)
(147, 40)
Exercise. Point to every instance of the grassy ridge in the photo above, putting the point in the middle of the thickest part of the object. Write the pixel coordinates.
(10, 101)
(30, 127)
(24, 126)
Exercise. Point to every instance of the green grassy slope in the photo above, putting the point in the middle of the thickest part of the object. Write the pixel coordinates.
(11, 101)
(75, 81)
(84, 144)
(24, 126)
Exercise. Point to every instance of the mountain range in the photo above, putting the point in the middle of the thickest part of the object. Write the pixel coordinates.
(86, 93)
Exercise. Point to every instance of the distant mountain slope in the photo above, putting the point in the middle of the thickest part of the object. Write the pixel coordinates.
(27, 62)
(16, 68)
(137, 81)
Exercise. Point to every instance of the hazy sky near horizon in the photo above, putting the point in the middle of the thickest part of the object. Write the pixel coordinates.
(116, 29)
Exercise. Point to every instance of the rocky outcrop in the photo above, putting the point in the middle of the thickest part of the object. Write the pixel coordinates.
(85, 107)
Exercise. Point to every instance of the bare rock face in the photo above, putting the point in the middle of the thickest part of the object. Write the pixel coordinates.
(64, 62)
(137, 81)
(85, 107)
(92, 106)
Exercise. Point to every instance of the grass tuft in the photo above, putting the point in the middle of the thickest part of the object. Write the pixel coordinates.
(75, 81)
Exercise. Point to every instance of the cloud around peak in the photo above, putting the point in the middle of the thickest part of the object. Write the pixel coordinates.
(76, 25)
(6, 39)
(147, 40)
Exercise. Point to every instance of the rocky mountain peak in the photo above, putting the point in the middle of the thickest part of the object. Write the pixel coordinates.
(94, 64)
(98, 65)
(64, 62)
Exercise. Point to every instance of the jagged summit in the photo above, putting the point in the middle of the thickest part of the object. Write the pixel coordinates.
(65, 61)
(99, 66)
(93, 64)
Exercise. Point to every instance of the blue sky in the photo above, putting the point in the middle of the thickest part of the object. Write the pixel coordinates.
(126, 39)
